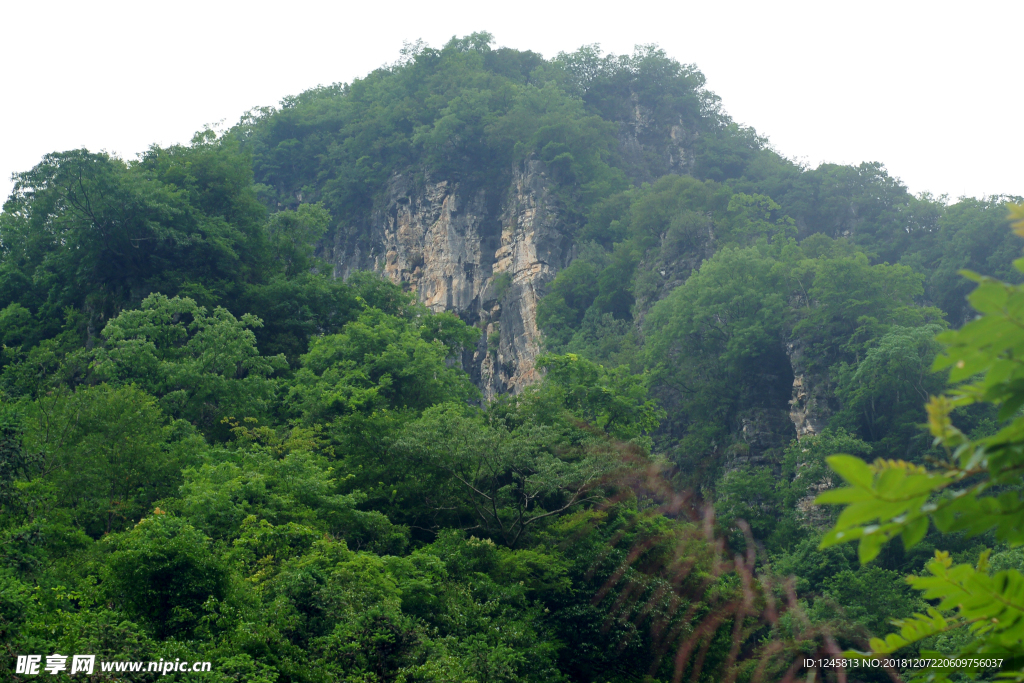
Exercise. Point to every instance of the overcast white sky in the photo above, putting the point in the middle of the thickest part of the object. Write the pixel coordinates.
(932, 89)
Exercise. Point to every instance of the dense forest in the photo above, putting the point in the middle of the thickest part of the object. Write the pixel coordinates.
(227, 434)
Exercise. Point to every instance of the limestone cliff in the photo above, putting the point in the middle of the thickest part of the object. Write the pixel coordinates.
(487, 252)
(650, 148)
(481, 252)
(810, 406)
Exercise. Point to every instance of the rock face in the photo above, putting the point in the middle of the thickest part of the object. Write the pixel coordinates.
(650, 148)
(488, 252)
(484, 254)
(764, 432)
(810, 407)
(809, 410)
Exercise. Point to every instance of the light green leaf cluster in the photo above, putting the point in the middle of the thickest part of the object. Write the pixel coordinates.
(890, 491)
(613, 399)
(202, 366)
(912, 630)
(381, 362)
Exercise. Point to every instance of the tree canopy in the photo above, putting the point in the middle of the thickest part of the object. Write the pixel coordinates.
(212, 448)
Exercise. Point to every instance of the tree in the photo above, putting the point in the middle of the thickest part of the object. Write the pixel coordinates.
(775, 500)
(164, 572)
(290, 490)
(104, 454)
(504, 479)
(202, 366)
(971, 234)
(14, 461)
(975, 488)
(882, 395)
(380, 362)
(294, 235)
(869, 598)
(717, 339)
(92, 232)
(613, 400)
(562, 309)
(851, 303)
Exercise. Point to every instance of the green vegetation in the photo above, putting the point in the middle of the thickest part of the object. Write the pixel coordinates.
(974, 489)
(213, 449)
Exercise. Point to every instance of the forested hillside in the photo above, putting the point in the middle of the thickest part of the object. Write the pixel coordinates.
(490, 367)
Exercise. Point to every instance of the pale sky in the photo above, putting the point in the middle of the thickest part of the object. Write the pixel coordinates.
(931, 89)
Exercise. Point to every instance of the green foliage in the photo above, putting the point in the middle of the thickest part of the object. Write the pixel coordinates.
(774, 500)
(882, 395)
(234, 497)
(16, 324)
(501, 283)
(811, 566)
(202, 366)
(735, 304)
(103, 455)
(670, 93)
(804, 462)
(219, 497)
(613, 400)
(503, 479)
(870, 597)
(164, 573)
(750, 494)
(295, 309)
(857, 302)
(494, 340)
(212, 448)
(295, 234)
(465, 110)
(89, 231)
(379, 362)
(757, 218)
(976, 488)
(716, 336)
(14, 462)
(562, 310)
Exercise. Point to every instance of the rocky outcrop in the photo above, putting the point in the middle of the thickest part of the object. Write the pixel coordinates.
(535, 244)
(809, 410)
(650, 146)
(433, 240)
(810, 407)
(763, 434)
(483, 253)
(650, 149)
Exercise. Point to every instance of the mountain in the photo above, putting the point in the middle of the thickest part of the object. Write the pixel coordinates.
(473, 176)
(493, 367)
(473, 200)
